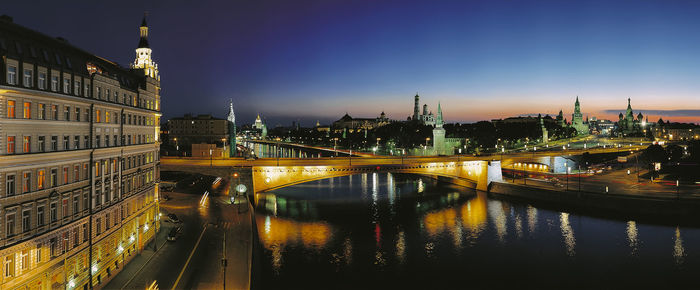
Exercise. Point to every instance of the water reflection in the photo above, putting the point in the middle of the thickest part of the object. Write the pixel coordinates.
(678, 249)
(567, 234)
(632, 237)
(407, 228)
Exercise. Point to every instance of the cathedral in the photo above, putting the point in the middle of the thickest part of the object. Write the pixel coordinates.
(627, 123)
(426, 118)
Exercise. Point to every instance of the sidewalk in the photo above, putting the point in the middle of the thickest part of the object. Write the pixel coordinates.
(138, 262)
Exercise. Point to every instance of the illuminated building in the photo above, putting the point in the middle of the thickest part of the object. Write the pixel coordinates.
(79, 153)
(427, 117)
(358, 124)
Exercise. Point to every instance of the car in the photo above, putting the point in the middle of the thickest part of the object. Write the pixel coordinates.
(174, 232)
(173, 218)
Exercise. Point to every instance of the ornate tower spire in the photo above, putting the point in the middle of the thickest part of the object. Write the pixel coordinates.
(143, 53)
(416, 107)
(231, 130)
(439, 122)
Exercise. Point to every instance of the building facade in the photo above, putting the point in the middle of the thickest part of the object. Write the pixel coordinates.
(187, 130)
(347, 123)
(427, 117)
(80, 169)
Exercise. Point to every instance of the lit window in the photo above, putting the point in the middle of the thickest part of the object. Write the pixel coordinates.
(41, 179)
(10, 144)
(97, 116)
(27, 112)
(26, 182)
(41, 114)
(11, 109)
(26, 144)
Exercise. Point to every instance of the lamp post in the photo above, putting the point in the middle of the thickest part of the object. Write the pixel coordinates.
(211, 159)
(223, 140)
(350, 157)
(566, 167)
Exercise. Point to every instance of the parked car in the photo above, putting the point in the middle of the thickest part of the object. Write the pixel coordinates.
(173, 218)
(174, 232)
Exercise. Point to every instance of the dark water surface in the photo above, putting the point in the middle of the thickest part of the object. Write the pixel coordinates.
(391, 231)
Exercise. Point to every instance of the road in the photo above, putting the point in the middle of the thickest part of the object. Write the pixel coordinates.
(374, 160)
(194, 261)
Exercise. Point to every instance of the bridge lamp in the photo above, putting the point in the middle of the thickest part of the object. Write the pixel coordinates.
(235, 174)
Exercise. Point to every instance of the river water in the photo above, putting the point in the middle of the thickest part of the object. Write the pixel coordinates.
(393, 231)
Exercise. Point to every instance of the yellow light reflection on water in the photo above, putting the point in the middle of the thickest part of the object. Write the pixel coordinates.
(567, 234)
(678, 249)
(632, 237)
(278, 232)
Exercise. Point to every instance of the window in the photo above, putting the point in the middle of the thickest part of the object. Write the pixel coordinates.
(40, 215)
(86, 202)
(11, 109)
(54, 177)
(10, 144)
(99, 226)
(76, 173)
(65, 208)
(99, 93)
(10, 186)
(97, 116)
(10, 218)
(41, 179)
(24, 259)
(77, 114)
(27, 111)
(54, 143)
(87, 115)
(85, 171)
(87, 141)
(54, 83)
(116, 96)
(26, 148)
(106, 140)
(66, 86)
(11, 75)
(41, 114)
(54, 112)
(26, 225)
(97, 169)
(97, 141)
(42, 145)
(26, 182)
(75, 204)
(28, 77)
(9, 266)
(87, 90)
(65, 175)
(115, 140)
(66, 142)
(106, 117)
(107, 221)
(66, 113)
(42, 80)
(76, 142)
(76, 237)
(38, 253)
(54, 212)
(85, 232)
(76, 90)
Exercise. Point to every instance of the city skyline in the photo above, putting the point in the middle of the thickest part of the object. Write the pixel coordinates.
(314, 60)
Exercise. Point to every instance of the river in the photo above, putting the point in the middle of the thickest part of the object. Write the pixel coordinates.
(393, 231)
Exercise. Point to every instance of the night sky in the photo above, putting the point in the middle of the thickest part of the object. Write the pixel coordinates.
(309, 60)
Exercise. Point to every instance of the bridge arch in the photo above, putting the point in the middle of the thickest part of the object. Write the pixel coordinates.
(478, 173)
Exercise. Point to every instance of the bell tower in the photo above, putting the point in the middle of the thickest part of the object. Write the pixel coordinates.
(143, 54)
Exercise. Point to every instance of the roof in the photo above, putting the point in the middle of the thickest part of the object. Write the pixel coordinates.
(24, 44)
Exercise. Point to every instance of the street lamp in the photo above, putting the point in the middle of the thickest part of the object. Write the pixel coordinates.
(211, 160)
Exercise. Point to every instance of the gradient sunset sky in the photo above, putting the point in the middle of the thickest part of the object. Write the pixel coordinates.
(316, 60)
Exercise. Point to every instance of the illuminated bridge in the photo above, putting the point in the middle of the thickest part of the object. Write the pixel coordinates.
(270, 173)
